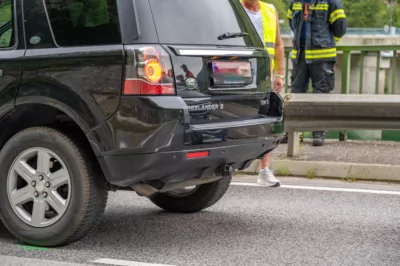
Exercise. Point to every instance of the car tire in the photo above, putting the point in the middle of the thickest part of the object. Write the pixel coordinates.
(77, 193)
(202, 197)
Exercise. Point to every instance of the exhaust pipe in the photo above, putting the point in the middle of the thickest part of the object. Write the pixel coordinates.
(148, 190)
(188, 183)
(144, 189)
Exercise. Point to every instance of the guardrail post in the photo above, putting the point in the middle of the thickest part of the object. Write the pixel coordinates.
(287, 54)
(394, 70)
(362, 55)
(378, 69)
(293, 144)
(343, 135)
(346, 60)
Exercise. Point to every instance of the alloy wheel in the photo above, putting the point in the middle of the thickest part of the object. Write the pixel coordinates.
(38, 187)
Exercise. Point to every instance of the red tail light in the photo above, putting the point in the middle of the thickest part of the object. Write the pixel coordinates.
(197, 154)
(148, 71)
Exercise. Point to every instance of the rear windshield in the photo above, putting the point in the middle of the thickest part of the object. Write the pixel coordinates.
(202, 21)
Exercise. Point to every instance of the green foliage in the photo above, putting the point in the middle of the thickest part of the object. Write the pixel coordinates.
(396, 16)
(360, 13)
(281, 7)
(366, 13)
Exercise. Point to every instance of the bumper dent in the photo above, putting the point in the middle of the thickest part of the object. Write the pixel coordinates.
(168, 167)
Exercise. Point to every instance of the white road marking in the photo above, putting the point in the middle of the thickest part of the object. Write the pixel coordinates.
(356, 190)
(18, 261)
(125, 263)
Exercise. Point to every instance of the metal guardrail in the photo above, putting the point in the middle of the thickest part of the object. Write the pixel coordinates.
(311, 112)
(346, 52)
(346, 59)
(308, 112)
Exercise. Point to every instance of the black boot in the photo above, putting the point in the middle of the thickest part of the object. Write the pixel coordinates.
(318, 138)
(284, 139)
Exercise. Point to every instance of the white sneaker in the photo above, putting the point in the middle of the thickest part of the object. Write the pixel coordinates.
(266, 178)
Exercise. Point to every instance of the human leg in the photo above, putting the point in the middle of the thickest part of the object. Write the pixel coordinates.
(323, 81)
(300, 79)
(266, 176)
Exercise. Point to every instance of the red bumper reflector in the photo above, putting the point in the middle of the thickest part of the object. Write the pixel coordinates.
(198, 154)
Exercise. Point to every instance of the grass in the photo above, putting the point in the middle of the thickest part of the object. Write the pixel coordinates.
(351, 177)
(311, 173)
(301, 146)
(283, 170)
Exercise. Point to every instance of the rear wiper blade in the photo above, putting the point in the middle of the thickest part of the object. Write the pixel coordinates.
(229, 35)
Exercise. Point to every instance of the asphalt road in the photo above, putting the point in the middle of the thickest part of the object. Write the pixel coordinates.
(250, 226)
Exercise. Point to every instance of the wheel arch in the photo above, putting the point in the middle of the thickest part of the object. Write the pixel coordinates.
(76, 102)
(23, 105)
(45, 112)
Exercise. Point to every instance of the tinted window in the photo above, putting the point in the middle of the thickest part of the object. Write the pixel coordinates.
(202, 21)
(84, 22)
(6, 24)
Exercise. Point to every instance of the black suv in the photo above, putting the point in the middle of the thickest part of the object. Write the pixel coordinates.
(165, 98)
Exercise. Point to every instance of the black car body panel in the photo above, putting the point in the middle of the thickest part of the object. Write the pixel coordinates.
(10, 76)
(64, 81)
(83, 82)
(11, 60)
(137, 138)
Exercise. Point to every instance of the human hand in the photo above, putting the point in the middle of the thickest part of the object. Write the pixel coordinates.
(278, 84)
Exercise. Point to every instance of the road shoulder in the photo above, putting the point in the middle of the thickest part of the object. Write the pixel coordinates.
(321, 182)
(19, 261)
(349, 160)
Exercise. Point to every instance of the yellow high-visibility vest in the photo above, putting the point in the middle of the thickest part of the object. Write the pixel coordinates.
(269, 29)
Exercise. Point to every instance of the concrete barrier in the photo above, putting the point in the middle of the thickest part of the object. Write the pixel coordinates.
(336, 170)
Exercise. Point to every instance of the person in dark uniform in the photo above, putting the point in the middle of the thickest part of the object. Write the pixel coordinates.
(317, 26)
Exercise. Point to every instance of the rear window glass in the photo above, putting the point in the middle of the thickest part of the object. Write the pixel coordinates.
(6, 24)
(202, 21)
(84, 22)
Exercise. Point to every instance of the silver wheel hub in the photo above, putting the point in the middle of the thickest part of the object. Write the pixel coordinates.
(38, 187)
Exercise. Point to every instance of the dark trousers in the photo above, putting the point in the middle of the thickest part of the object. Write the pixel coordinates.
(321, 74)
